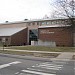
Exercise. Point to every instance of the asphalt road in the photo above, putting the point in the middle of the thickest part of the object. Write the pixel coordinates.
(17, 65)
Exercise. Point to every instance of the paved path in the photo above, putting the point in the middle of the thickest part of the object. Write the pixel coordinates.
(30, 51)
(65, 55)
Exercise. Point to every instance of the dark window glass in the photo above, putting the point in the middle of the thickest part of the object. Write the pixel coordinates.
(6, 39)
(37, 23)
(33, 35)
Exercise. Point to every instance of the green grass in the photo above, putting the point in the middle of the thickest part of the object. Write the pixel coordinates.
(43, 48)
(38, 48)
(45, 55)
(16, 52)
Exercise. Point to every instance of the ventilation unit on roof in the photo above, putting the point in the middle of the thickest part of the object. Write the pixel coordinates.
(25, 19)
(6, 21)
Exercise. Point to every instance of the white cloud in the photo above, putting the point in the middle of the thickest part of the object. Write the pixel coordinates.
(14, 10)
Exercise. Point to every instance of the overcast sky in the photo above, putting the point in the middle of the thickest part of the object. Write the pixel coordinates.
(18, 10)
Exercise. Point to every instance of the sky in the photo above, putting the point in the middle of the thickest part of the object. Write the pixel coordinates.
(18, 10)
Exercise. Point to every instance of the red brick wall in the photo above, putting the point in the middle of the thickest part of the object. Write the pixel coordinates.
(61, 36)
(19, 38)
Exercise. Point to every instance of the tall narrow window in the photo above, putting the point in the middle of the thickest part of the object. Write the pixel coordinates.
(37, 23)
(6, 39)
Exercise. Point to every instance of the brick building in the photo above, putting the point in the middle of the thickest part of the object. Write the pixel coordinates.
(58, 35)
(13, 36)
(51, 32)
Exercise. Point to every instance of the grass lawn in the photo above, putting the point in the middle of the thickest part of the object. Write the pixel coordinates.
(45, 55)
(38, 48)
(43, 48)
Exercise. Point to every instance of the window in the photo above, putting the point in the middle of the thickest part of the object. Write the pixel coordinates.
(67, 21)
(6, 39)
(53, 22)
(58, 22)
(48, 23)
(43, 23)
(33, 35)
(62, 22)
(37, 23)
(33, 23)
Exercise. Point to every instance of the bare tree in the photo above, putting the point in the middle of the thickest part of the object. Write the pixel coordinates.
(66, 9)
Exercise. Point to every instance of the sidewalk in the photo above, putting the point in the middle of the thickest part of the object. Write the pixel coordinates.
(36, 51)
(65, 55)
(30, 51)
(61, 56)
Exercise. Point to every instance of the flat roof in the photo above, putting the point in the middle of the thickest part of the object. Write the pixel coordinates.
(33, 20)
(10, 31)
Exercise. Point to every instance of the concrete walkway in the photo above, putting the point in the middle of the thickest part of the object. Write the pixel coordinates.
(65, 55)
(30, 51)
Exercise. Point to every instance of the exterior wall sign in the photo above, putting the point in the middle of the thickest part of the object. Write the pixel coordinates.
(46, 32)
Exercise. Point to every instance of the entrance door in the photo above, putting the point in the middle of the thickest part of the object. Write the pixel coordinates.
(33, 35)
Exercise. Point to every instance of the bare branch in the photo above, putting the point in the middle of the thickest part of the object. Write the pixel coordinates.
(66, 7)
